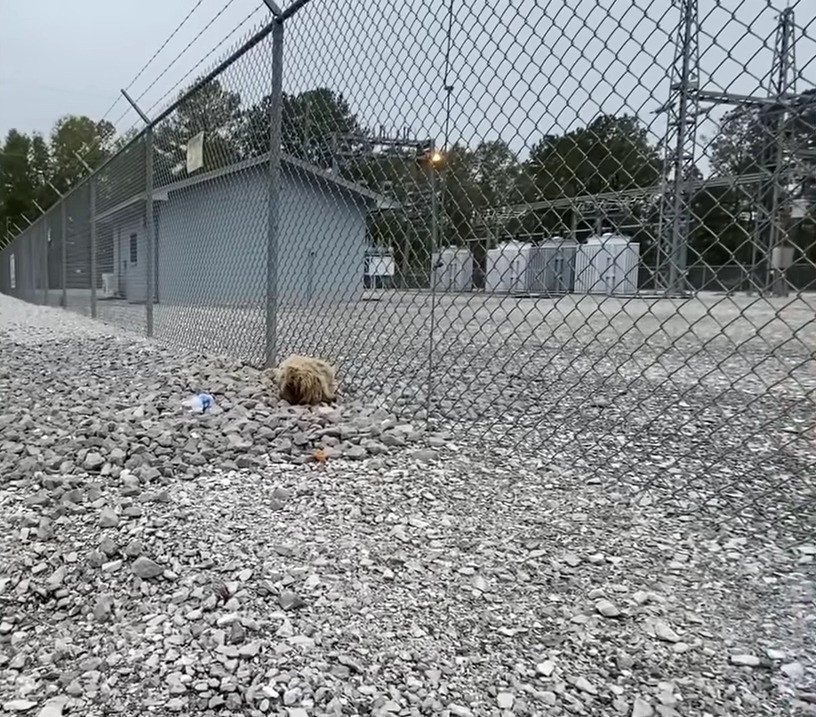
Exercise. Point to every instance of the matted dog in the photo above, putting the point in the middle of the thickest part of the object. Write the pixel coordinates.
(306, 380)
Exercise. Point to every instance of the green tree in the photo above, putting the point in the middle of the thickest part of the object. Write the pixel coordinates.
(804, 233)
(213, 110)
(741, 142)
(18, 181)
(495, 171)
(313, 126)
(74, 135)
(464, 191)
(314, 123)
(746, 135)
(612, 153)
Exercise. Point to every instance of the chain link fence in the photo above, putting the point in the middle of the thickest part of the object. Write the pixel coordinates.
(585, 232)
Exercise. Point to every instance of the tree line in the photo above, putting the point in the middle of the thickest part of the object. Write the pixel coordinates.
(611, 153)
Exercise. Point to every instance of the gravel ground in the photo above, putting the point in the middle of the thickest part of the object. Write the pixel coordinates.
(154, 562)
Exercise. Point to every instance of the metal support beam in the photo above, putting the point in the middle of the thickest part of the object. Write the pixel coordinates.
(32, 277)
(47, 245)
(273, 8)
(133, 104)
(44, 264)
(728, 98)
(150, 231)
(93, 245)
(650, 192)
(64, 253)
(274, 196)
(679, 158)
(83, 162)
(774, 158)
(434, 244)
(150, 228)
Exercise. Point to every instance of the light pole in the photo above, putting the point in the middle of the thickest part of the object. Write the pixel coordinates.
(434, 159)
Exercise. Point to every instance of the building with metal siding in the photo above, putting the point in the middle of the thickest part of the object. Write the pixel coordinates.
(211, 237)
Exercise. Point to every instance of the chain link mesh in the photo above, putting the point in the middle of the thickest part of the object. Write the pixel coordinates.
(117, 197)
(584, 231)
(78, 249)
(211, 217)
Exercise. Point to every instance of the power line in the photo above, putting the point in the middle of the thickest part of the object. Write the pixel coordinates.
(187, 47)
(164, 44)
(198, 64)
(205, 57)
(189, 72)
(155, 55)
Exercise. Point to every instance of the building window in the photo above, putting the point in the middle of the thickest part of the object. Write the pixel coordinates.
(134, 248)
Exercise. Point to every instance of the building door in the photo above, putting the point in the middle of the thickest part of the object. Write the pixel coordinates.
(132, 269)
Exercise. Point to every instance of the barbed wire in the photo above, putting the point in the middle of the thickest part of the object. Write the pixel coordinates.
(164, 44)
(180, 54)
(206, 57)
(150, 61)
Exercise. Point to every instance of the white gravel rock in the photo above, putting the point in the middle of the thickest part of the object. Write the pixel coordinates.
(663, 631)
(607, 608)
(108, 517)
(53, 707)
(795, 671)
(146, 568)
(545, 668)
(430, 582)
(642, 708)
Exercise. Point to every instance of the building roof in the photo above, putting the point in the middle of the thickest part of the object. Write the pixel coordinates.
(310, 170)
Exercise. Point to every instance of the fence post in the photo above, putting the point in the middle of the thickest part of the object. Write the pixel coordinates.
(149, 228)
(151, 239)
(45, 232)
(93, 246)
(64, 253)
(273, 218)
(32, 263)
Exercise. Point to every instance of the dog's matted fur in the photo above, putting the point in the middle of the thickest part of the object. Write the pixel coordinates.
(306, 380)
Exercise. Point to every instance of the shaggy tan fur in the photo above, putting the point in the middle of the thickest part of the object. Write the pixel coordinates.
(306, 380)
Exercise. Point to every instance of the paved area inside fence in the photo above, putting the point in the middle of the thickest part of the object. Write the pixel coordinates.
(155, 562)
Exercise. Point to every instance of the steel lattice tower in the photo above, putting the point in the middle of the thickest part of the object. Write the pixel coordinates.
(775, 154)
(682, 110)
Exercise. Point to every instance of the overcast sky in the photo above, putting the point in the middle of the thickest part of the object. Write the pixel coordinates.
(519, 68)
